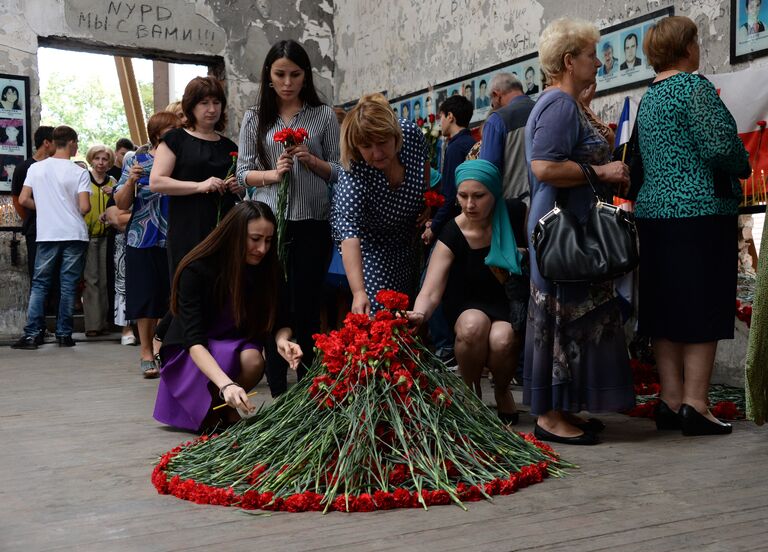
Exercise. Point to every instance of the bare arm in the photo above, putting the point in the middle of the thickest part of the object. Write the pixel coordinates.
(434, 284)
(117, 218)
(234, 395)
(84, 201)
(568, 174)
(26, 199)
(126, 193)
(352, 257)
(289, 350)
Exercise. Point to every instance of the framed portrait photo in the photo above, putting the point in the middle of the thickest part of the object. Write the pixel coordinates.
(749, 38)
(620, 52)
(15, 132)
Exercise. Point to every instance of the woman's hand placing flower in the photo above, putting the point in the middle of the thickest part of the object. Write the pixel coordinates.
(290, 351)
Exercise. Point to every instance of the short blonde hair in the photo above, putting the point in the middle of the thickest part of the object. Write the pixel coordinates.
(94, 150)
(667, 41)
(564, 36)
(371, 120)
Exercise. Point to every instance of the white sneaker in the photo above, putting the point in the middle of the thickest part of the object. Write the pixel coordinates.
(128, 340)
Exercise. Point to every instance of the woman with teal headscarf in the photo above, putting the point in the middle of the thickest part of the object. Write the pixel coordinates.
(474, 254)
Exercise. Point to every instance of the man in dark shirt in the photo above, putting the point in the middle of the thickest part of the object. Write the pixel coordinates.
(123, 146)
(455, 114)
(44, 148)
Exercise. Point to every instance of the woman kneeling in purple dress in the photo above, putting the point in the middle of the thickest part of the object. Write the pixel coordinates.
(225, 303)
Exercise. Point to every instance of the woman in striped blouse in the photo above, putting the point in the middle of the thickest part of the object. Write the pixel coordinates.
(288, 99)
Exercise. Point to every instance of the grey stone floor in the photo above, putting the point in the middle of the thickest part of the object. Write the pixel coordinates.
(77, 446)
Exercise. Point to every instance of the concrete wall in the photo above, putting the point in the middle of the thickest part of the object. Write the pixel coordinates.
(238, 33)
(408, 45)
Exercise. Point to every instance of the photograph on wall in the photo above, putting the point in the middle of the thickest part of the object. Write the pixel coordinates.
(429, 104)
(620, 52)
(749, 38)
(531, 81)
(405, 110)
(483, 97)
(8, 164)
(468, 91)
(15, 138)
(417, 108)
(607, 53)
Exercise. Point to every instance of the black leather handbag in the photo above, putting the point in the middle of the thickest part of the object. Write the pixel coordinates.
(568, 251)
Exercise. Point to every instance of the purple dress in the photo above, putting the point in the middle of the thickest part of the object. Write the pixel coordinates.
(184, 394)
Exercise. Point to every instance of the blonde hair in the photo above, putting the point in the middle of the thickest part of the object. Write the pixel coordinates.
(175, 108)
(371, 120)
(94, 150)
(667, 41)
(564, 36)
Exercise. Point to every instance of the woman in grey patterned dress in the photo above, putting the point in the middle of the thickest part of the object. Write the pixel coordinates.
(575, 354)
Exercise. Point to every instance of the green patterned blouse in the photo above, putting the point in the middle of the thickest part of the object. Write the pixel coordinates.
(691, 152)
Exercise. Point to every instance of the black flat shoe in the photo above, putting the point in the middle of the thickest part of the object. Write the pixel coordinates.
(509, 419)
(592, 425)
(583, 439)
(665, 417)
(694, 423)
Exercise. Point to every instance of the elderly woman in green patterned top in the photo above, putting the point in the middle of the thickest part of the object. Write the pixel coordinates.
(687, 212)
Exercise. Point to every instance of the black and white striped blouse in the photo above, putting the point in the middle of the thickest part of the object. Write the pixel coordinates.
(308, 192)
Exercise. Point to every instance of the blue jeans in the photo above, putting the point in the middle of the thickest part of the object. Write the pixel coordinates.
(71, 255)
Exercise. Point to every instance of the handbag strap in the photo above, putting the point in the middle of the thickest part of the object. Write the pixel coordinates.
(590, 176)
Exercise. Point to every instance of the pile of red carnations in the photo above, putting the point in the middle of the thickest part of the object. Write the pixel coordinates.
(377, 423)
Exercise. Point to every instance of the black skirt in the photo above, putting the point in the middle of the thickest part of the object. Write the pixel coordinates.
(147, 288)
(688, 278)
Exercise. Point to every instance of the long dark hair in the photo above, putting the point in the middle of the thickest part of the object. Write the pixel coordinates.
(267, 106)
(254, 301)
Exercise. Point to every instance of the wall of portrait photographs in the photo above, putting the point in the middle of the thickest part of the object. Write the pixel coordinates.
(15, 139)
(619, 49)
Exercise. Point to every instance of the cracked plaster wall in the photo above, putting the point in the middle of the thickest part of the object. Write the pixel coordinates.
(407, 45)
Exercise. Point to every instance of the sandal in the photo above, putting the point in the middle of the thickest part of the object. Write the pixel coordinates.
(149, 369)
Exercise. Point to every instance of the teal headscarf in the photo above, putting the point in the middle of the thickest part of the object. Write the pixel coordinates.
(504, 253)
(434, 178)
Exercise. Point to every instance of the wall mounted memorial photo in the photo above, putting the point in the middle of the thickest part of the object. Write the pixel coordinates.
(749, 38)
(15, 138)
(620, 51)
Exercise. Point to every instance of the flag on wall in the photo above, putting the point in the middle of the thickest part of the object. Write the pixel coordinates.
(745, 94)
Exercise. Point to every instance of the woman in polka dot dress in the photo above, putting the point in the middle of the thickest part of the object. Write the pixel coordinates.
(378, 204)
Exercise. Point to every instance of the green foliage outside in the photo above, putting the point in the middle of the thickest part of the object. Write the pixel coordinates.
(93, 109)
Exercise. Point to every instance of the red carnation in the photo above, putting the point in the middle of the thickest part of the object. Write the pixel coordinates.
(420, 122)
(433, 198)
(392, 300)
(402, 498)
(726, 410)
(431, 117)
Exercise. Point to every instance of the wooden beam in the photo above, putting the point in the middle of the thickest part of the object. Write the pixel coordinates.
(131, 100)
(161, 95)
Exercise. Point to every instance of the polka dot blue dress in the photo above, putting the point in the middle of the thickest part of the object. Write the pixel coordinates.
(384, 219)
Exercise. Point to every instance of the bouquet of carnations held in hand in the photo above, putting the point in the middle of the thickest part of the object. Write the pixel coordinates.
(289, 138)
(432, 135)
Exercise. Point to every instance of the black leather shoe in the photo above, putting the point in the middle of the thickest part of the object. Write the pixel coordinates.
(592, 425)
(583, 439)
(509, 419)
(694, 423)
(65, 341)
(27, 343)
(665, 417)
(40, 338)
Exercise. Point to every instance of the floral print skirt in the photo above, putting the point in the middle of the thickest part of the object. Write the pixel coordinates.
(575, 352)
